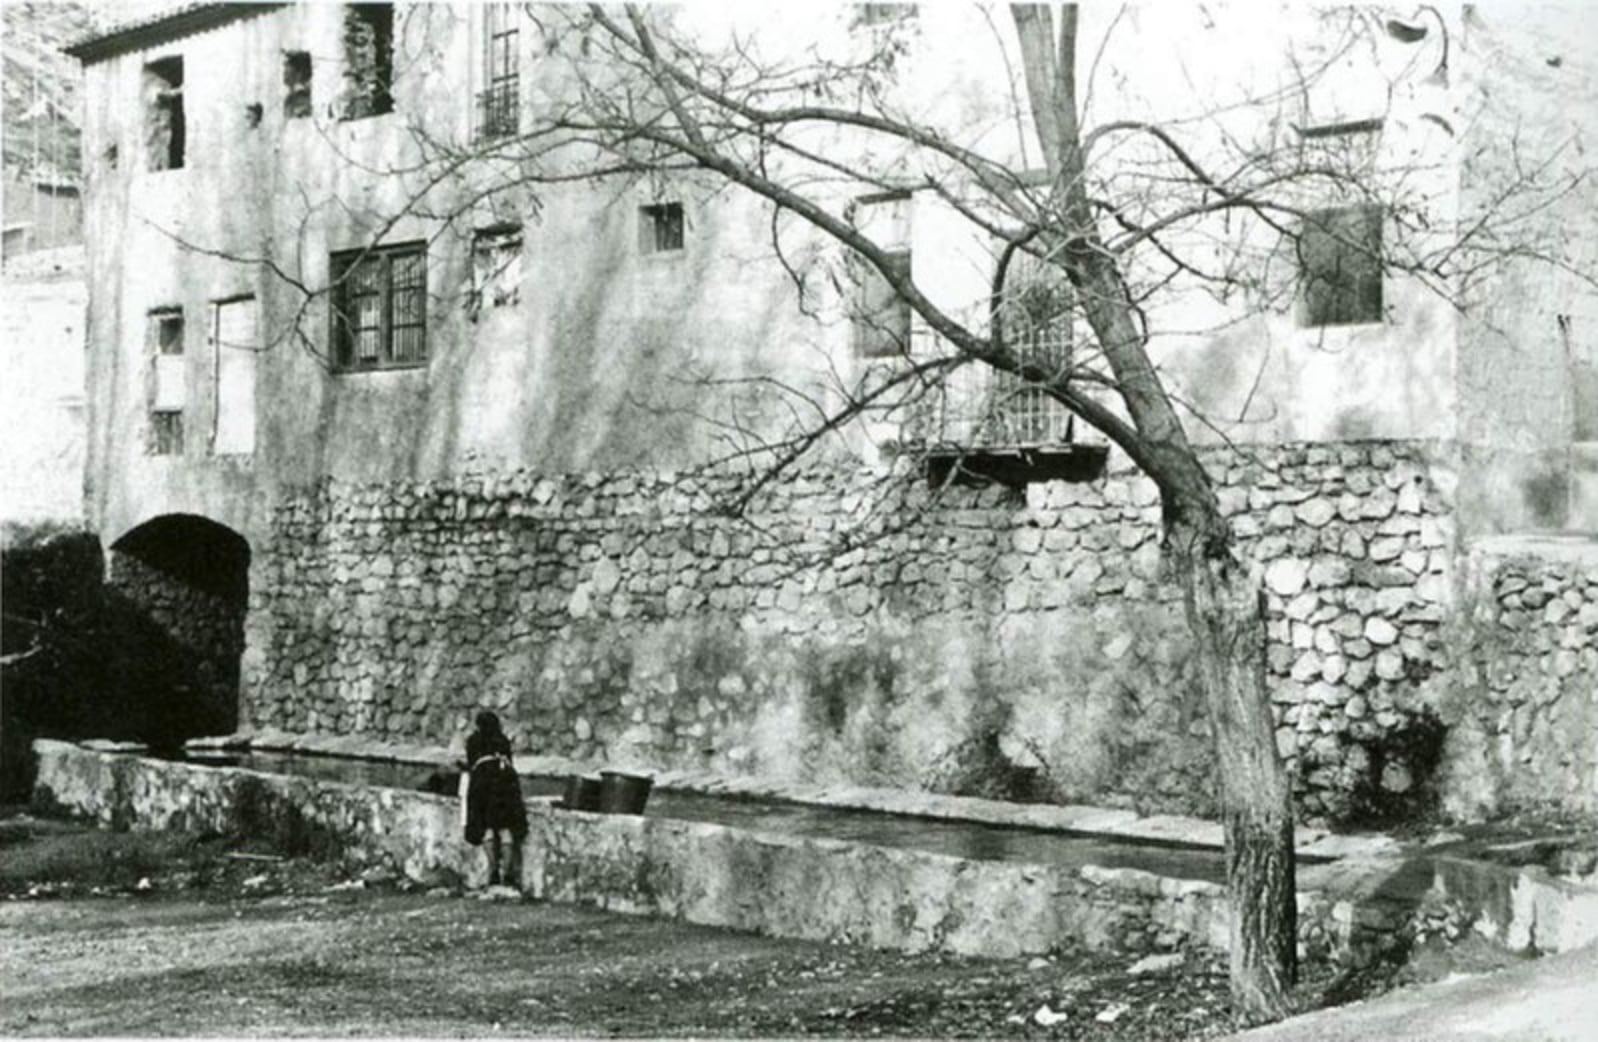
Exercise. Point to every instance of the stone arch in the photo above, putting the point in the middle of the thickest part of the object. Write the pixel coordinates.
(183, 581)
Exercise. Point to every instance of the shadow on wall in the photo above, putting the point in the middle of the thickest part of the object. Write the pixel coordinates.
(88, 658)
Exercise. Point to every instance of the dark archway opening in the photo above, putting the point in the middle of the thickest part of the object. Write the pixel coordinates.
(181, 584)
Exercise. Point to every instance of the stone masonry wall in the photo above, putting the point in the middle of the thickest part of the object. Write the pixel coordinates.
(1521, 704)
(981, 642)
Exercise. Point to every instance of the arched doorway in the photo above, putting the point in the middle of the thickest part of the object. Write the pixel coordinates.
(181, 584)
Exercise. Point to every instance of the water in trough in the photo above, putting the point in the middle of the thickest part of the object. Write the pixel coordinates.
(964, 839)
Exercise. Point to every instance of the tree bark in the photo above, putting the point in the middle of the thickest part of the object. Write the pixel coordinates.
(1222, 605)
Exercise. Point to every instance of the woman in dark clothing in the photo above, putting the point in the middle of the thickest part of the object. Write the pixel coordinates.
(494, 798)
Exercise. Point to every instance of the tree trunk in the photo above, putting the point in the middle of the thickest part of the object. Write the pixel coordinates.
(1223, 611)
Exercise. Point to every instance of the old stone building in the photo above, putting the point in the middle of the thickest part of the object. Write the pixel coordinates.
(384, 433)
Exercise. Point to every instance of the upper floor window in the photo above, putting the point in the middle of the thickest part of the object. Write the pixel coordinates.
(882, 14)
(368, 60)
(296, 84)
(1035, 308)
(169, 390)
(880, 316)
(660, 228)
(380, 307)
(496, 268)
(1340, 266)
(498, 105)
(164, 129)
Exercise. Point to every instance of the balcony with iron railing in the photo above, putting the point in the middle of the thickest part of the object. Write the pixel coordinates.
(499, 109)
(979, 424)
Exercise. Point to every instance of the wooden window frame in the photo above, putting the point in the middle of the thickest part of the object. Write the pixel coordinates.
(342, 266)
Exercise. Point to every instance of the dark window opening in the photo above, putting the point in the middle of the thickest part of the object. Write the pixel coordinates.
(368, 60)
(296, 84)
(1340, 266)
(660, 228)
(252, 114)
(882, 14)
(499, 103)
(111, 156)
(168, 382)
(164, 126)
(380, 307)
(881, 318)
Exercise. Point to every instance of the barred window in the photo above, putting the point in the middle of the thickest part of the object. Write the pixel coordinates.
(498, 106)
(380, 307)
(660, 228)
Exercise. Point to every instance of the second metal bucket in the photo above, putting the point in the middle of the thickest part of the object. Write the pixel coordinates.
(582, 793)
(621, 793)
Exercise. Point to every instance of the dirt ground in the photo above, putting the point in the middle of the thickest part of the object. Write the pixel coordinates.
(162, 934)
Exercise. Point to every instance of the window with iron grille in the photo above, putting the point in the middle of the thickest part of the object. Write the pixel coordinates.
(168, 382)
(660, 228)
(1340, 266)
(498, 104)
(380, 307)
(368, 60)
(1035, 310)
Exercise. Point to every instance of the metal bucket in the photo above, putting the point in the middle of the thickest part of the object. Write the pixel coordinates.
(622, 793)
(582, 793)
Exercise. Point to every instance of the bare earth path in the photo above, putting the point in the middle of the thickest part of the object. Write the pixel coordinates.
(152, 934)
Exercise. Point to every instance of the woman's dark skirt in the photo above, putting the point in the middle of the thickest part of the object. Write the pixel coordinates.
(494, 801)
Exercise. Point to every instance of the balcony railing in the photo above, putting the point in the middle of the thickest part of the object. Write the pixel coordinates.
(499, 109)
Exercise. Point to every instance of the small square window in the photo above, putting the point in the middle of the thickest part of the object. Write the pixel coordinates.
(1340, 266)
(660, 228)
(166, 434)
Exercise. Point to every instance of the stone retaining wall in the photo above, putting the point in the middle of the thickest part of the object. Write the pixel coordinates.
(1521, 701)
(986, 643)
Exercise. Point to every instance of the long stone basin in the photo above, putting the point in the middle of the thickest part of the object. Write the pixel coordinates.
(782, 885)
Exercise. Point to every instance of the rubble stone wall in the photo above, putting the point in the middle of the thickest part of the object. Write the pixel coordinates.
(983, 642)
(1521, 701)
